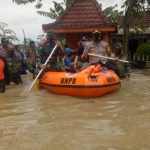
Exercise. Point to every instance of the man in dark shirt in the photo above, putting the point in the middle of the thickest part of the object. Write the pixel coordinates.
(54, 63)
(80, 51)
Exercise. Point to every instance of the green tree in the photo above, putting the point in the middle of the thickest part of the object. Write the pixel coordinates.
(112, 13)
(53, 13)
(58, 9)
(38, 2)
(37, 5)
(132, 8)
(6, 32)
(143, 49)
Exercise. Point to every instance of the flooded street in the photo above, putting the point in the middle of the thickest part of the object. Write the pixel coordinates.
(43, 121)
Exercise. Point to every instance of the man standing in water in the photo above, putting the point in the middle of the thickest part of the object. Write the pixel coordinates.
(3, 69)
(12, 74)
(99, 47)
(31, 57)
(4, 54)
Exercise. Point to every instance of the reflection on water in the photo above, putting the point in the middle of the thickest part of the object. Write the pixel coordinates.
(43, 121)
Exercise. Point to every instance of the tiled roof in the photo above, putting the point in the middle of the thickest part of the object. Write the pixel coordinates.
(81, 14)
(142, 20)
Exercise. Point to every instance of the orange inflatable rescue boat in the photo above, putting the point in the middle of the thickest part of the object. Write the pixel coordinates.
(87, 83)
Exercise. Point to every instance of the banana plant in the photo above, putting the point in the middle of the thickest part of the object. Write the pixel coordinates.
(7, 33)
(53, 13)
(20, 2)
(56, 12)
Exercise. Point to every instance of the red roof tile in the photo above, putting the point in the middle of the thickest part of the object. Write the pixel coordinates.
(81, 14)
(142, 20)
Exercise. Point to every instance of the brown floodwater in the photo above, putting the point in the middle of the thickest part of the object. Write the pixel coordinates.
(40, 120)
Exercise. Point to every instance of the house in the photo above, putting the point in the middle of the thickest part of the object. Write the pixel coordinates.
(81, 18)
(139, 31)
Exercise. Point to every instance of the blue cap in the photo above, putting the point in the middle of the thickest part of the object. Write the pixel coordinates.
(68, 50)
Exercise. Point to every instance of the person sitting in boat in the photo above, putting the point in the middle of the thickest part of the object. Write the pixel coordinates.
(56, 61)
(78, 59)
(124, 68)
(99, 47)
(68, 59)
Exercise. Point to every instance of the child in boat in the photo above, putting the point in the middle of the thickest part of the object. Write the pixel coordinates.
(68, 59)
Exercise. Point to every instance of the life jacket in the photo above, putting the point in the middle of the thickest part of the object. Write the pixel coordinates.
(94, 69)
(2, 76)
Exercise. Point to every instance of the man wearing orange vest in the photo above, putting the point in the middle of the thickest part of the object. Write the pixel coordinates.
(2, 75)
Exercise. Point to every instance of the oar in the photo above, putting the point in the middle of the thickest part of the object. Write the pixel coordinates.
(107, 57)
(42, 69)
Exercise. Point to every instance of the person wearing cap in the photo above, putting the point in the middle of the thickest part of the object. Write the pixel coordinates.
(68, 58)
(55, 63)
(99, 47)
(13, 59)
(124, 68)
(14, 65)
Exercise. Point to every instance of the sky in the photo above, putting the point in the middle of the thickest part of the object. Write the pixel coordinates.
(26, 17)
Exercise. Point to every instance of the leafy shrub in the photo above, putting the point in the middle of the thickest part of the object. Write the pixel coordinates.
(143, 49)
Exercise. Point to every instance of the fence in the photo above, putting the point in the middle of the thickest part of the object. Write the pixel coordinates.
(141, 58)
(142, 61)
